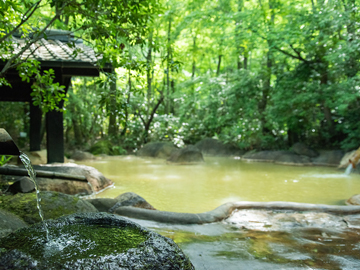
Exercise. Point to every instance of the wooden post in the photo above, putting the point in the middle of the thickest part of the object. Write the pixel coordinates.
(55, 127)
(55, 137)
(35, 127)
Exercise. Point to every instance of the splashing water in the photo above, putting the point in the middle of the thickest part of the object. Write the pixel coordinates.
(348, 169)
(27, 163)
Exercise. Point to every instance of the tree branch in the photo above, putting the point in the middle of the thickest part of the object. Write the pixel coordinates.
(27, 46)
(142, 119)
(154, 111)
(31, 10)
(298, 56)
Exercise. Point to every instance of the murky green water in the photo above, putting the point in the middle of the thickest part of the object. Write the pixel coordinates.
(203, 187)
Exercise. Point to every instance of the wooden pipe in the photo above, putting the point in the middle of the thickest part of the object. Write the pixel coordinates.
(7, 145)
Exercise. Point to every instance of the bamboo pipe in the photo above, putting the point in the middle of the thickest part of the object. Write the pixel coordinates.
(23, 172)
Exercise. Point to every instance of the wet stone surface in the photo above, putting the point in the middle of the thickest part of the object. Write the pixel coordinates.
(90, 241)
(308, 245)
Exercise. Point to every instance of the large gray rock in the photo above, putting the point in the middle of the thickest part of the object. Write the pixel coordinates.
(131, 199)
(157, 150)
(213, 147)
(267, 156)
(328, 158)
(353, 200)
(9, 223)
(91, 241)
(53, 205)
(188, 154)
(302, 149)
(81, 155)
(96, 181)
(279, 157)
(292, 159)
(22, 185)
(103, 204)
(64, 186)
(344, 163)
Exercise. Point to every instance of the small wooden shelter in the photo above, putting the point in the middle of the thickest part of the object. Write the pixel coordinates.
(53, 52)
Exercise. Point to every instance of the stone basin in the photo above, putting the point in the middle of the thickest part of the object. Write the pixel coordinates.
(90, 241)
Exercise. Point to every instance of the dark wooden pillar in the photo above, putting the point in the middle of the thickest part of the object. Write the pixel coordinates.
(55, 137)
(35, 127)
(55, 128)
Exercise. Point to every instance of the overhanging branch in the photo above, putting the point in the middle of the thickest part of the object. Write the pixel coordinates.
(31, 10)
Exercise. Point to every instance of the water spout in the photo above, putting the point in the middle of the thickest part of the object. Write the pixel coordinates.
(348, 169)
(7, 145)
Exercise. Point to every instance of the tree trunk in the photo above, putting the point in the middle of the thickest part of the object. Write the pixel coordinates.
(149, 73)
(112, 130)
(327, 112)
(240, 49)
(169, 59)
(147, 123)
(218, 65)
(267, 80)
(127, 105)
(77, 131)
(193, 70)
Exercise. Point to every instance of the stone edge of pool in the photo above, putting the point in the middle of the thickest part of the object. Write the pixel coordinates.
(224, 211)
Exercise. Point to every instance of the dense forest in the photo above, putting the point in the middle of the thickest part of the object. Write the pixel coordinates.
(259, 74)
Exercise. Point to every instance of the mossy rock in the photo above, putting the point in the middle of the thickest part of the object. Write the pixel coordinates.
(189, 154)
(53, 205)
(90, 241)
(213, 147)
(157, 150)
(9, 223)
(107, 148)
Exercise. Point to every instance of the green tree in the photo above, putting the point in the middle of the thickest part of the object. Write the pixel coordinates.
(104, 25)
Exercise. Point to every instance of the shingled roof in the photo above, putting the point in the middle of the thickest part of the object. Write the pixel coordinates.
(58, 48)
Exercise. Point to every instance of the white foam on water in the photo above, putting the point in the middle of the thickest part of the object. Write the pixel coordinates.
(328, 175)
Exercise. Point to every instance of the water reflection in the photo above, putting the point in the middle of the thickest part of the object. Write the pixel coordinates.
(203, 187)
(223, 246)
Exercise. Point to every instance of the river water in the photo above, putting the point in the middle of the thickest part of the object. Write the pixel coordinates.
(223, 245)
(203, 187)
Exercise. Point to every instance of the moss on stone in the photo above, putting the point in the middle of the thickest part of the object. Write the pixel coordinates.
(73, 242)
(53, 205)
(107, 148)
(90, 241)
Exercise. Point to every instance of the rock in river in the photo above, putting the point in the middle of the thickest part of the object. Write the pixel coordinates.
(157, 150)
(189, 154)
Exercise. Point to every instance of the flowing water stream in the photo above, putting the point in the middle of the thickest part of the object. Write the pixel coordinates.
(27, 163)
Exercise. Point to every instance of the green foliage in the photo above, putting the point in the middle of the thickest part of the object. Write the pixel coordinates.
(4, 160)
(107, 148)
(104, 25)
(257, 74)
